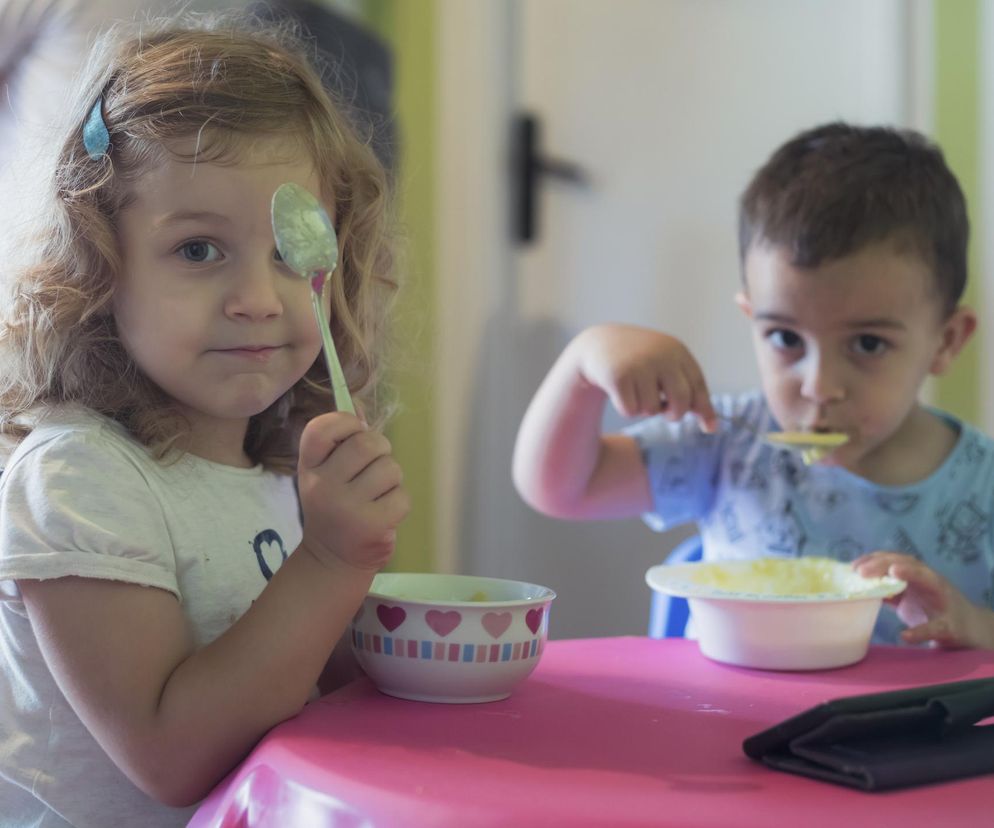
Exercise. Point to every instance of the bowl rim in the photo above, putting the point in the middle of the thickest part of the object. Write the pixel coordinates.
(547, 595)
(673, 579)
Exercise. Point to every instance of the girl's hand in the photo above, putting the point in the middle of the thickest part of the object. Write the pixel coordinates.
(644, 372)
(931, 606)
(350, 492)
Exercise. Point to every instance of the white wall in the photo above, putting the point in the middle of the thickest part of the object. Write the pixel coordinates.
(650, 241)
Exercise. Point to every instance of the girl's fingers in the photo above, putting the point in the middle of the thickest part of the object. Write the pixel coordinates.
(322, 434)
(378, 478)
(394, 505)
(354, 455)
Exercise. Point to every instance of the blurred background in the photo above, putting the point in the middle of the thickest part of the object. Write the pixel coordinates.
(565, 162)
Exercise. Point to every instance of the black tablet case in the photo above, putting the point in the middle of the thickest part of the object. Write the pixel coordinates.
(881, 741)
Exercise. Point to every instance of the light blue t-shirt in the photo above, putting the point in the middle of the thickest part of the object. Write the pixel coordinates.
(751, 499)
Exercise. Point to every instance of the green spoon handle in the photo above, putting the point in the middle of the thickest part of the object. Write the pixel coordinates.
(339, 387)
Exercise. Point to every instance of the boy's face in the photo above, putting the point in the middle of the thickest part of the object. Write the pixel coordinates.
(845, 346)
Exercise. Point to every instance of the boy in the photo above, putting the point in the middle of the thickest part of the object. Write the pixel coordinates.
(853, 248)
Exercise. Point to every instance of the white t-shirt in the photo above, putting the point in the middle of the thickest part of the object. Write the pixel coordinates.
(80, 497)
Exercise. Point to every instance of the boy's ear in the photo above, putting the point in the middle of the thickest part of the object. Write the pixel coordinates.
(956, 332)
(743, 302)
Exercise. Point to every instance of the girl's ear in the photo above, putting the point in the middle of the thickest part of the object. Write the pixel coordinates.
(744, 304)
(956, 332)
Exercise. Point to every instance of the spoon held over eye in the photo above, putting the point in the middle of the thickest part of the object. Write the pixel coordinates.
(306, 240)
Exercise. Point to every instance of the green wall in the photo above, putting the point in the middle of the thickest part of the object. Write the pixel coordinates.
(409, 26)
(957, 127)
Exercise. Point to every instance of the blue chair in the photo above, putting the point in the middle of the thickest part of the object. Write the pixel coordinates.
(668, 614)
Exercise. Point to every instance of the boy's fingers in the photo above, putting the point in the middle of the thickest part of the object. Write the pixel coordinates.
(677, 392)
(931, 589)
(937, 629)
(877, 564)
(870, 568)
(702, 402)
(624, 400)
(650, 400)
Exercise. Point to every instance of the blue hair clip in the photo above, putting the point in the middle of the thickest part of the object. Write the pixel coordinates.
(96, 138)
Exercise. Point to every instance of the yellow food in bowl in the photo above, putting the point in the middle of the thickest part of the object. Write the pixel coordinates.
(782, 576)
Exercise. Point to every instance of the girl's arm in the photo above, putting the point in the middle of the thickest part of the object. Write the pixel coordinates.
(341, 668)
(176, 719)
(563, 465)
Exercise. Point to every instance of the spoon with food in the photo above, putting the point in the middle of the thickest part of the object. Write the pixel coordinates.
(812, 445)
(306, 240)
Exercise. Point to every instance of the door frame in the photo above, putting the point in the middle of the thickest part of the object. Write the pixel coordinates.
(474, 100)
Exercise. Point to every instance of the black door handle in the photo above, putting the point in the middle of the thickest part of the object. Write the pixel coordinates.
(529, 166)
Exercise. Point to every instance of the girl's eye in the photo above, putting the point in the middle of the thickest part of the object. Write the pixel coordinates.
(783, 340)
(200, 252)
(869, 345)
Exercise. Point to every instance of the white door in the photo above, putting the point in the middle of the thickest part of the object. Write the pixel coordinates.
(668, 106)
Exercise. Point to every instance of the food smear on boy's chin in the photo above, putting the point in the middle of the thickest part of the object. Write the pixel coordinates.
(815, 455)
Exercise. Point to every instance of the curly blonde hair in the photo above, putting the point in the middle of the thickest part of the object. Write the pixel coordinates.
(226, 80)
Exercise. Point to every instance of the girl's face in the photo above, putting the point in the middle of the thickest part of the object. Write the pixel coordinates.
(205, 306)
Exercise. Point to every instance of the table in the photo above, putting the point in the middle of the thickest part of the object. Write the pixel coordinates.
(617, 732)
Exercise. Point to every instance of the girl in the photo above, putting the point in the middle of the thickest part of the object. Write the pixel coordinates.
(163, 606)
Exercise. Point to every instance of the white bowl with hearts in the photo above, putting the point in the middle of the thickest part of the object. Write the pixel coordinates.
(450, 638)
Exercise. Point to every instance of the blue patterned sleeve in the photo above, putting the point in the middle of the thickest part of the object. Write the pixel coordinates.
(681, 463)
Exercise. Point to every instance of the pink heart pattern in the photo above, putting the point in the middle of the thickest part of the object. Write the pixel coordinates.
(533, 618)
(496, 623)
(390, 617)
(443, 622)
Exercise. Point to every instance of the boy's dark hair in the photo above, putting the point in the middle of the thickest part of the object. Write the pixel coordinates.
(833, 189)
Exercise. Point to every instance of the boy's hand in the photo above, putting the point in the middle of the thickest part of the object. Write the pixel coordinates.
(350, 492)
(933, 608)
(644, 372)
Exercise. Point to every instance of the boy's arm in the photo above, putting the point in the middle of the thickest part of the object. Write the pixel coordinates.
(931, 606)
(563, 465)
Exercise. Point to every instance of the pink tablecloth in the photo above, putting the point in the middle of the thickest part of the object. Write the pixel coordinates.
(606, 732)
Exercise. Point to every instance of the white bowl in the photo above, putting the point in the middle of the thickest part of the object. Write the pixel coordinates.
(450, 638)
(778, 613)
